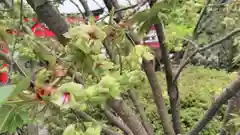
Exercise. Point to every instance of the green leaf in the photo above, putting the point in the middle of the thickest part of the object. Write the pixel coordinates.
(99, 99)
(24, 116)
(106, 65)
(21, 86)
(5, 92)
(93, 131)
(145, 27)
(81, 43)
(92, 91)
(100, 34)
(71, 87)
(15, 122)
(109, 82)
(148, 56)
(6, 117)
(44, 54)
(96, 46)
(112, 12)
(70, 130)
(41, 77)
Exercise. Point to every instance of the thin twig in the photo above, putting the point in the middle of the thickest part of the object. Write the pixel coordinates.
(206, 47)
(120, 59)
(200, 17)
(120, 10)
(86, 7)
(79, 9)
(88, 118)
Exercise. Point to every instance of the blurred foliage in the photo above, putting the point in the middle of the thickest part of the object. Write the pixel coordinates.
(218, 20)
(198, 86)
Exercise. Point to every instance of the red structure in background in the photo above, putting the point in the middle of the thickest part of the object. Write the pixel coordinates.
(40, 30)
(151, 39)
(4, 75)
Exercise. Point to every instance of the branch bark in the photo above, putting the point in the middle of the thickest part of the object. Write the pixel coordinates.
(140, 109)
(51, 17)
(88, 118)
(228, 93)
(128, 116)
(117, 121)
(171, 87)
(86, 8)
(158, 98)
(233, 108)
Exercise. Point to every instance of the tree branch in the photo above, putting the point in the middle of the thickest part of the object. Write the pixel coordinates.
(88, 118)
(158, 98)
(79, 9)
(140, 109)
(171, 87)
(51, 17)
(228, 93)
(86, 7)
(120, 10)
(10, 61)
(156, 89)
(117, 121)
(128, 116)
(200, 18)
(233, 107)
(206, 47)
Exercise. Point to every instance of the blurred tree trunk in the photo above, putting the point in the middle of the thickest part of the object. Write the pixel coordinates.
(232, 109)
(50, 15)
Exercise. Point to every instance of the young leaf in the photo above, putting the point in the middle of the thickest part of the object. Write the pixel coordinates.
(15, 123)
(5, 92)
(21, 86)
(6, 117)
(112, 12)
(70, 130)
(44, 54)
(81, 43)
(93, 131)
(71, 87)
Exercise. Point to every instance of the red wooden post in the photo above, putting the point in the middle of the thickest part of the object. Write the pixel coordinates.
(4, 74)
